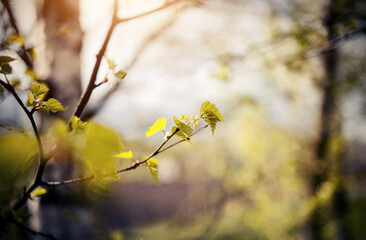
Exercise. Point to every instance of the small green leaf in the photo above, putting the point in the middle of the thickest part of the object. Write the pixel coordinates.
(77, 124)
(126, 154)
(53, 105)
(120, 74)
(180, 134)
(211, 115)
(152, 164)
(15, 38)
(32, 74)
(6, 68)
(39, 90)
(30, 101)
(185, 128)
(110, 62)
(6, 59)
(157, 126)
(38, 192)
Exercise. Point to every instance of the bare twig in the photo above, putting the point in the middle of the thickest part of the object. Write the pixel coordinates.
(42, 160)
(28, 61)
(31, 231)
(115, 21)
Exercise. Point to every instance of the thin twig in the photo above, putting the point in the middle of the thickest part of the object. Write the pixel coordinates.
(24, 56)
(157, 151)
(176, 143)
(115, 21)
(31, 231)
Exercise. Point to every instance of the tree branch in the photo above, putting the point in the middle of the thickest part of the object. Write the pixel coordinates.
(31, 231)
(157, 151)
(42, 159)
(28, 61)
(115, 21)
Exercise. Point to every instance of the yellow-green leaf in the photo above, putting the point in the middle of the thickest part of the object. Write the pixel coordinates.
(126, 154)
(180, 134)
(77, 124)
(101, 145)
(38, 192)
(32, 74)
(15, 38)
(30, 101)
(152, 164)
(210, 114)
(111, 64)
(53, 105)
(6, 59)
(157, 126)
(120, 74)
(185, 128)
(39, 90)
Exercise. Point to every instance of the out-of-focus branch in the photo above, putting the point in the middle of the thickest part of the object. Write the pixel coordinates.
(91, 112)
(115, 21)
(28, 229)
(42, 159)
(24, 55)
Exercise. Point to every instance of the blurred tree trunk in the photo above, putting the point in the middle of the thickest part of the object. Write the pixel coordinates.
(64, 41)
(329, 150)
(63, 38)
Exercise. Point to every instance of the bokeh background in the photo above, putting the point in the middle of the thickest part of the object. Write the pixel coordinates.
(288, 76)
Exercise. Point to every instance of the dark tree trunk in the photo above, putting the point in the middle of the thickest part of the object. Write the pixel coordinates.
(329, 162)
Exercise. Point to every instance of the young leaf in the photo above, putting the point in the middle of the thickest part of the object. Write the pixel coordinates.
(120, 74)
(6, 59)
(39, 90)
(32, 74)
(15, 38)
(126, 154)
(53, 105)
(38, 192)
(185, 128)
(180, 134)
(110, 62)
(211, 115)
(6, 68)
(152, 164)
(77, 124)
(30, 101)
(157, 126)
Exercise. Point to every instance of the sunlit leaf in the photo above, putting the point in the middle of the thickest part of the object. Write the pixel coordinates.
(38, 192)
(126, 154)
(15, 38)
(53, 105)
(157, 126)
(30, 101)
(39, 90)
(6, 59)
(180, 134)
(211, 115)
(185, 128)
(101, 145)
(111, 64)
(32, 74)
(152, 164)
(120, 74)
(77, 124)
